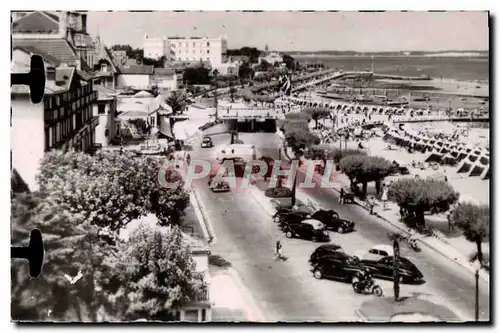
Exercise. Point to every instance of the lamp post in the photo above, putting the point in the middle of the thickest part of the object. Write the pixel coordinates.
(476, 312)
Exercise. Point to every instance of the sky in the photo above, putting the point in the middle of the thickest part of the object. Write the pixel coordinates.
(303, 31)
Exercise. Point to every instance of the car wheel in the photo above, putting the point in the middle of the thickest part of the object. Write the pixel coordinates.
(355, 260)
(276, 218)
(317, 274)
(289, 234)
(335, 216)
(340, 230)
(377, 291)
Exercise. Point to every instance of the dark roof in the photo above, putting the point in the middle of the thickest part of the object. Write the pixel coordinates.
(36, 22)
(164, 71)
(137, 69)
(84, 75)
(57, 48)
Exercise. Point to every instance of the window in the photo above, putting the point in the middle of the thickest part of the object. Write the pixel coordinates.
(204, 315)
(383, 253)
(194, 44)
(208, 51)
(208, 44)
(373, 251)
(104, 68)
(101, 109)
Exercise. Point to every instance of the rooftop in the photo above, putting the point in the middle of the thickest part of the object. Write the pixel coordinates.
(36, 22)
(137, 69)
(164, 71)
(58, 49)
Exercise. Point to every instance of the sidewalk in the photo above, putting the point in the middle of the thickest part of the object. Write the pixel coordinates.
(456, 249)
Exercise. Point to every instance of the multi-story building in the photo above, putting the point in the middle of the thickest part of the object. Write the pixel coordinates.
(105, 109)
(196, 49)
(136, 77)
(64, 120)
(154, 47)
(165, 78)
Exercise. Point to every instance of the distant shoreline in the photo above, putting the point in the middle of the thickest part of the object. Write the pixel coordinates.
(437, 55)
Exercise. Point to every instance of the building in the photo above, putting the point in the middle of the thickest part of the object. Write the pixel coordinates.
(165, 78)
(271, 58)
(64, 120)
(119, 57)
(196, 49)
(142, 105)
(105, 109)
(136, 76)
(104, 70)
(154, 47)
(226, 68)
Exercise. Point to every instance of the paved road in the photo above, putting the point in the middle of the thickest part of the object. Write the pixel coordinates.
(287, 291)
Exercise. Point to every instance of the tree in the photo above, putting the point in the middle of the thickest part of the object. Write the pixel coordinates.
(316, 113)
(157, 63)
(416, 196)
(363, 169)
(297, 116)
(154, 273)
(264, 66)
(140, 124)
(474, 220)
(71, 245)
(289, 61)
(395, 238)
(245, 71)
(177, 101)
(196, 75)
(299, 138)
(111, 189)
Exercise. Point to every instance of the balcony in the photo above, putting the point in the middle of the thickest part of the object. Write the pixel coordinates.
(203, 296)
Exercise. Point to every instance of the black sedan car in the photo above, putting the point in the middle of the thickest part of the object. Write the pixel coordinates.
(290, 216)
(326, 250)
(338, 267)
(383, 269)
(307, 229)
(332, 221)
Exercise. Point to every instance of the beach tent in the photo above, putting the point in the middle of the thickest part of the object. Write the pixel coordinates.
(448, 160)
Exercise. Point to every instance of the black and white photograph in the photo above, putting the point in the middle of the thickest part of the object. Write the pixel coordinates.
(250, 166)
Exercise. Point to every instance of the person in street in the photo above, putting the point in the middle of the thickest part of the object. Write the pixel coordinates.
(371, 203)
(278, 253)
(384, 198)
(341, 199)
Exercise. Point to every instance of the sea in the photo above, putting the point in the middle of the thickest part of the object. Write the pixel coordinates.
(475, 69)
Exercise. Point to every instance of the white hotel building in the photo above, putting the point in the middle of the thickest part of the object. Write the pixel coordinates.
(187, 49)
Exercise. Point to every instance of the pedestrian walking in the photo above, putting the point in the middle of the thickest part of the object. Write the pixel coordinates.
(278, 250)
(371, 203)
(342, 194)
(385, 191)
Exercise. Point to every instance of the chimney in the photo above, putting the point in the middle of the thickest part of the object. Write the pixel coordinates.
(84, 22)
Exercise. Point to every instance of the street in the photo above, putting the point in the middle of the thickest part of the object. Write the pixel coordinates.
(287, 291)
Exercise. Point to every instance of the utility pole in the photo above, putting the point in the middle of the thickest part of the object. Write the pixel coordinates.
(476, 312)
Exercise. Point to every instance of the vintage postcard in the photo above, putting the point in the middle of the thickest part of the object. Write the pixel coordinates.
(323, 167)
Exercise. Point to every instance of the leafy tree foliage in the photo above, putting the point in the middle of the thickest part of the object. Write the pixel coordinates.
(251, 52)
(110, 189)
(474, 220)
(264, 66)
(71, 245)
(196, 75)
(278, 192)
(82, 204)
(154, 273)
(177, 101)
(289, 61)
(316, 113)
(416, 196)
(140, 124)
(132, 53)
(299, 138)
(363, 169)
(157, 63)
(245, 71)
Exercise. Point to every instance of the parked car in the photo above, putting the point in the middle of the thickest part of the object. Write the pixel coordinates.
(383, 269)
(289, 215)
(338, 267)
(221, 186)
(375, 253)
(206, 142)
(325, 250)
(332, 221)
(307, 229)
